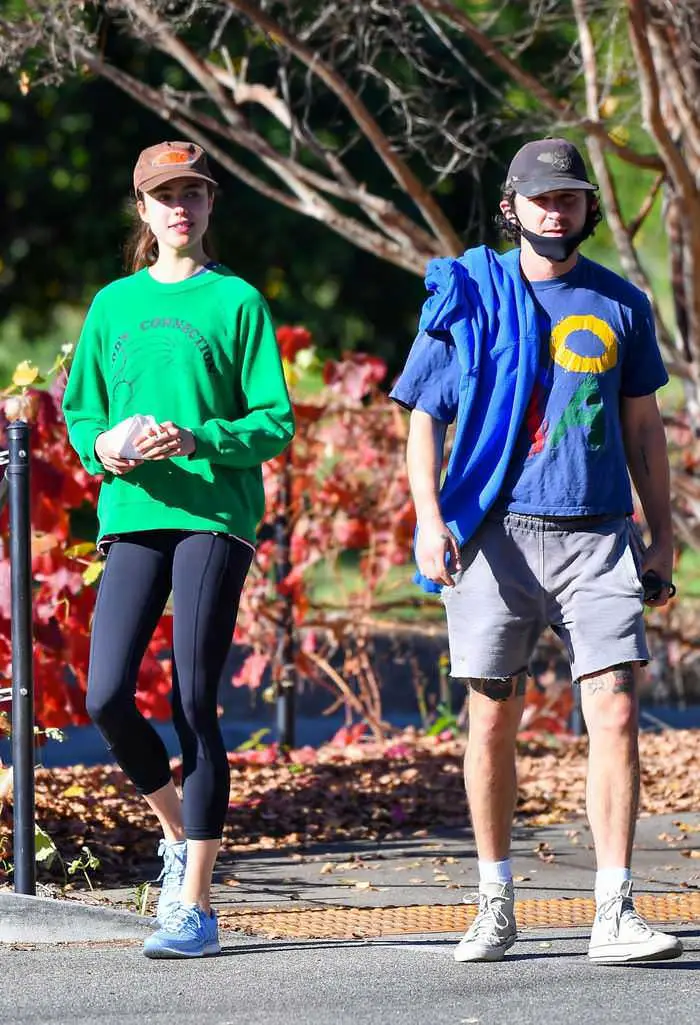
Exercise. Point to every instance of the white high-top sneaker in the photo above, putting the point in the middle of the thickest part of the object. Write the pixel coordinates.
(493, 931)
(620, 935)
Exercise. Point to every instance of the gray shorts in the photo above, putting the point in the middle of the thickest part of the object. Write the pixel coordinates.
(522, 574)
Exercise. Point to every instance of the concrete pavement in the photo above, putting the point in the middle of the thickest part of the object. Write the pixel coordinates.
(79, 960)
(551, 863)
(391, 981)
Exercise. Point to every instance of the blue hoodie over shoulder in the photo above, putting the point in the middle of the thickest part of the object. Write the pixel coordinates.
(483, 302)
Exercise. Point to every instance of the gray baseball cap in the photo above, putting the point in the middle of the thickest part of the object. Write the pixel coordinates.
(547, 165)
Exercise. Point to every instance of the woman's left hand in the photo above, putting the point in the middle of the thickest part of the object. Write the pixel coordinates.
(164, 441)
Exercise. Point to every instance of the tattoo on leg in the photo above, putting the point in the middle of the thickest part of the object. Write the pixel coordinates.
(617, 679)
(500, 688)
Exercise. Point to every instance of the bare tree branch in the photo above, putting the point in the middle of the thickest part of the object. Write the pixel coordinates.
(564, 112)
(383, 213)
(294, 175)
(677, 171)
(622, 236)
(170, 110)
(646, 207)
(676, 94)
(425, 203)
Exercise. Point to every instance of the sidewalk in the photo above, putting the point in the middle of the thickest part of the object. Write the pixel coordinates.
(417, 884)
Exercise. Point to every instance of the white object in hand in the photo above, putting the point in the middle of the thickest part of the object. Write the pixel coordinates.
(121, 437)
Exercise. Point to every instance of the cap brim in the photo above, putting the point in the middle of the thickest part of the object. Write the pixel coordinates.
(538, 188)
(168, 176)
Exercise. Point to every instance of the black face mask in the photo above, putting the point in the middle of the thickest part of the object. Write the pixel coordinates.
(556, 248)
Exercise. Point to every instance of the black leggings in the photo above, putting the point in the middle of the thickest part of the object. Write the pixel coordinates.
(206, 573)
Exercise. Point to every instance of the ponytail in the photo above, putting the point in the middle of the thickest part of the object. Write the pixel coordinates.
(141, 248)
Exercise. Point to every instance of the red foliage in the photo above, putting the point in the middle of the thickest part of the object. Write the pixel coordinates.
(62, 601)
(355, 376)
(252, 671)
(292, 340)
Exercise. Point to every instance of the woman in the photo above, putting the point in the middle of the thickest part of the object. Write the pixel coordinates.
(187, 348)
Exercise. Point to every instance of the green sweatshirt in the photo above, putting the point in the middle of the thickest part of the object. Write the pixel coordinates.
(203, 354)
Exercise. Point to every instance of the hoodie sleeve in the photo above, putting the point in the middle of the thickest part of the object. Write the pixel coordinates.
(452, 310)
(267, 426)
(437, 314)
(85, 400)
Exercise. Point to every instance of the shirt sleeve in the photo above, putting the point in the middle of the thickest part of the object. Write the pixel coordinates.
(267, 426)
(430, 379)
(643, 370)
(85, 401)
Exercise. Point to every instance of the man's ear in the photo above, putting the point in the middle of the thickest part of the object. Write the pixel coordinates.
(508, 212)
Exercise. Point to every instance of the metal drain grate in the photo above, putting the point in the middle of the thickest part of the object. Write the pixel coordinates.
(348, 923)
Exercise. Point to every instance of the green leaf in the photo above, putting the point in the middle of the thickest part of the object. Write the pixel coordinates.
(26, 373)
(252, 742)
(46, 850)
(78, 550)
(93, 572)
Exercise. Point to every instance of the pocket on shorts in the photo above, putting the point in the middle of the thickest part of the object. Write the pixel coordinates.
(632, 568)
(467, 554)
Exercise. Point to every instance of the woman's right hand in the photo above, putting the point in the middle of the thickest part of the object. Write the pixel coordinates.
(437, 553)
(111, 460)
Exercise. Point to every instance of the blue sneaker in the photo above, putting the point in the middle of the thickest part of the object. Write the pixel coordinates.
(172, 876)
(187, 932)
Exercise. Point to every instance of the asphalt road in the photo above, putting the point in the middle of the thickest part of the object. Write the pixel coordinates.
(546, 980)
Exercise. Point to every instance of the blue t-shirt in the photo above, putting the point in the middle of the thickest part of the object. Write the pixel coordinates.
(598, 344)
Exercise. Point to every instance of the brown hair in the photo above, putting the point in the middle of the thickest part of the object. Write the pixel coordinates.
(141, 247)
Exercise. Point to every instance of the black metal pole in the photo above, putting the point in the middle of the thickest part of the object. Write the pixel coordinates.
(286, 681)
(22, 658)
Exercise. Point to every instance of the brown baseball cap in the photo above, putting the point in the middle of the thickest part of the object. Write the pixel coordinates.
(168, 160)
(547, 165)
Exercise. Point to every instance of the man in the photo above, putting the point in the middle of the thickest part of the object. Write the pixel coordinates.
(548, 363)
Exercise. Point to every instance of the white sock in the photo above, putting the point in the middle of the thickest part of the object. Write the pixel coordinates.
(608, 882)
(496, 871)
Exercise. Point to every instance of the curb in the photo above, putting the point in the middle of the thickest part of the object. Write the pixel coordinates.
(26, 919)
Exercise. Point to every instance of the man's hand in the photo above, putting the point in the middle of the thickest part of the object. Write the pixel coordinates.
(659, 558)
(164, 441)
(437, 553)
(110, 458)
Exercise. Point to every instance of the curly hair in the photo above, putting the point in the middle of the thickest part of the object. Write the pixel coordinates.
(510, 230)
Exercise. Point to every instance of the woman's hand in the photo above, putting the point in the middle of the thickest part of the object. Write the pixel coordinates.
(164, 441)
(110, 458)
